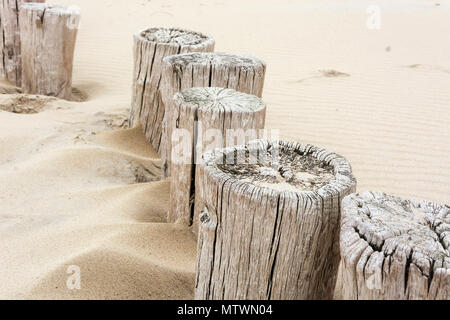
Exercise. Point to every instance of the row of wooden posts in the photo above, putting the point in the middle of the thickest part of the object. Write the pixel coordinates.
(274, 219)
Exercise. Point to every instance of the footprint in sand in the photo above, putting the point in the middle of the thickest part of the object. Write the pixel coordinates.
(328, 73)
(113, 121)
(333, 73)
(26, 104)
(428, 67)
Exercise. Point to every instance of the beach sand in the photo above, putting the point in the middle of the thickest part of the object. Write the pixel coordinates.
(77, 188)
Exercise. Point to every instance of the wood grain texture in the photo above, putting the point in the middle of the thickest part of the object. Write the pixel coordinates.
(268, 231)
(150, 47)
(394, 248)
(239, 72)
(10, 59)
(48, 35)
(207, 118)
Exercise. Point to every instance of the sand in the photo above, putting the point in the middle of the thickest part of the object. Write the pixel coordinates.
(79, 189)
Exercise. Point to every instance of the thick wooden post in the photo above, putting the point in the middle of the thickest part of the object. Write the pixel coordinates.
(207, 118)
(10, 61)
(270, 221)
(48, 34)
(394, 248)
(239, 72)
(150, 47)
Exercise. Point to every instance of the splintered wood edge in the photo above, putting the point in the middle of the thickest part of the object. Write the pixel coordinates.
(216, 59)
(219, 99)
(51, 8)
(344, 180)
(378, 226)
(205, 42)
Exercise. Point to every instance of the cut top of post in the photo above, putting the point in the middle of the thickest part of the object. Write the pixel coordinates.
(419, 230)
(52, 8)
(280, 166)
(174, 36)
(210, 99)
(215, 58)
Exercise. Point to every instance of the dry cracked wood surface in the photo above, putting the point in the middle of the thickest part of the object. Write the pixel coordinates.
(10, 58)
(203, 69)
(48, 34)
(150, 47)
(207, 118)
(270, 215)
(395, 248)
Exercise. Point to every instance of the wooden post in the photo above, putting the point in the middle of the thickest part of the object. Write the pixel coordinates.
(150, 47)
(239, 72)
(270, 221)
(48, 34)
(10, 62)
(206, 117)
(394, 248)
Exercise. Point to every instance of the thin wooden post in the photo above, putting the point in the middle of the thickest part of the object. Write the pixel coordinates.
(10, 61)
(239, 72)
(207, 118)
(269, 217)
(150, 47)
(48, 34)
(394, 248)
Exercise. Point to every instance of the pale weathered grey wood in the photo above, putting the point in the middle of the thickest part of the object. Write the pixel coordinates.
(206, 118)
(239, 72)
(270, 221)
(150, 47)
(10, 61)
(48, 34)
(394, 248)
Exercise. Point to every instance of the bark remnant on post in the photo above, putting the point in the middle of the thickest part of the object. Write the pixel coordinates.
(150, 47)
(207, 118)
(242, 73)
(48, 35)
(394, 248)
(10, 59)
(270, 221)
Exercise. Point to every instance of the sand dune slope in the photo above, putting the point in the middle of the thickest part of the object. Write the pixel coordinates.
(76, 192)
(77, 188)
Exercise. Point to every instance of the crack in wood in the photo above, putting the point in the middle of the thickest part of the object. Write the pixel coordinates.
(48, 35)
(204, 69)
(410, 235)
(289, 256)
(152, 45)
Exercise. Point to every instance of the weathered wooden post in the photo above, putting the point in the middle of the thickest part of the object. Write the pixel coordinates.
(150, 47)
(208, 118)
(394, 248)
(239, 72)
(48, 34)
(10, 62)
(270, 221)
